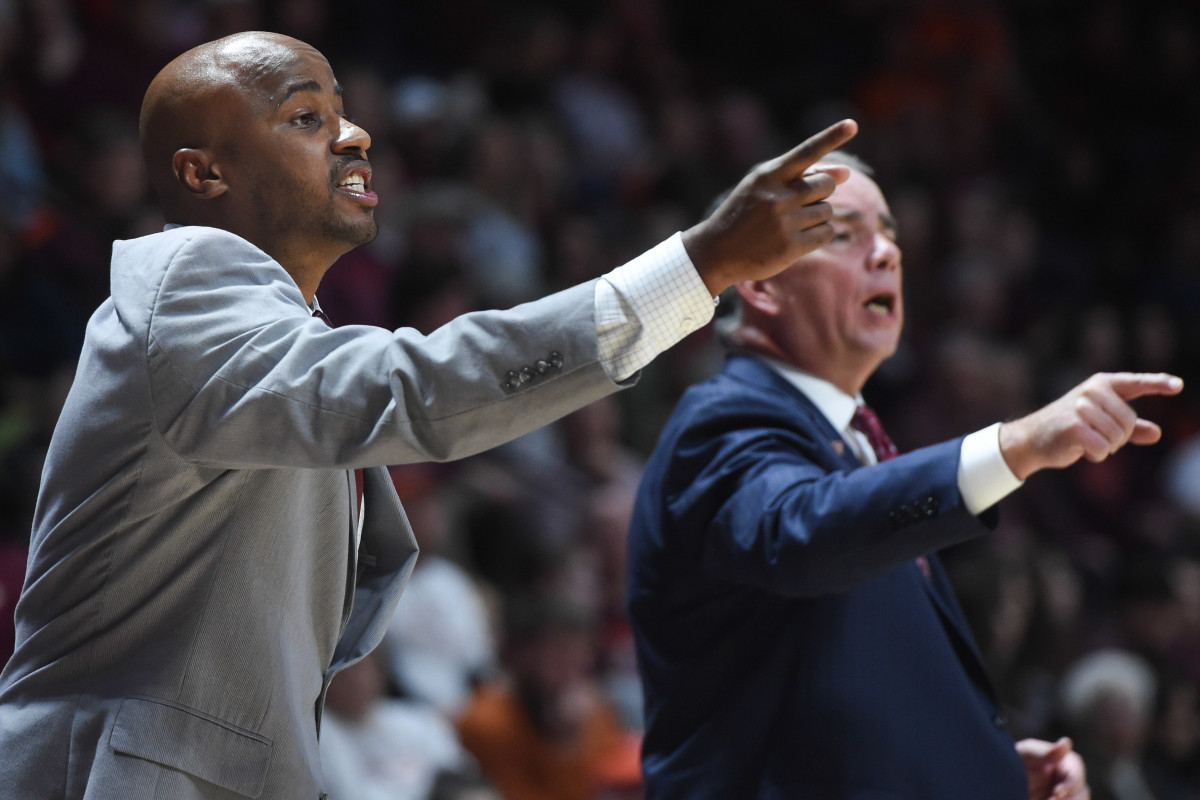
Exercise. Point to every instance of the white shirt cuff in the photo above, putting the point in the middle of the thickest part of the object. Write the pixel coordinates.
(647, 305)
(984, 478)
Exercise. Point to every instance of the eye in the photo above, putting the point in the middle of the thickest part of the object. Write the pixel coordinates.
(307, 119)
(843, 235)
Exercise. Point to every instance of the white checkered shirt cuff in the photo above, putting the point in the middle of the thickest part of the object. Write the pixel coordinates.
(647, 305)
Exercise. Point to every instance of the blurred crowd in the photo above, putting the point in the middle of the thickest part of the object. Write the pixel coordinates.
(1039, 156)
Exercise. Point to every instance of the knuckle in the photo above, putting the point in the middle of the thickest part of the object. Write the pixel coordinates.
(815, 236)
(1079, 431)
(820, 181)
(818, 213)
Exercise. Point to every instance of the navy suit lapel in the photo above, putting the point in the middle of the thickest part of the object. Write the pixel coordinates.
(937, 587)
(753, 371)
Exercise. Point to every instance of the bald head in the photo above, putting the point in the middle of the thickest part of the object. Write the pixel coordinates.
(189, 104)
(249, 134)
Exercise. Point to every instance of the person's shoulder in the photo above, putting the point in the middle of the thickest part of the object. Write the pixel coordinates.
(188, 272)
(743, 385)
(169, 244)
(213, 257)
(744, 400)
(203, 237)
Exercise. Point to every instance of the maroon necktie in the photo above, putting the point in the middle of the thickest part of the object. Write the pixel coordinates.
(866, 422)
(358, 476)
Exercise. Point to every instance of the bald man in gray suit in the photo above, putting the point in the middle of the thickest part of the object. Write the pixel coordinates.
(201, 564)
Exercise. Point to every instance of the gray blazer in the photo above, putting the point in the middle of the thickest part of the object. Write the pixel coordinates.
(194, 580)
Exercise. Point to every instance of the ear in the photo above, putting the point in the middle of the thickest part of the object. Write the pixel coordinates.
(196, 172)
(761, 295)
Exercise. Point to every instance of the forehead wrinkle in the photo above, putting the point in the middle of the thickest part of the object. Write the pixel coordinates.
(268, 64)
(306, 84)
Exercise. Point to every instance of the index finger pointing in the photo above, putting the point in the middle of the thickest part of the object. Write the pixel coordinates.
(793, 163)
(1129, 385)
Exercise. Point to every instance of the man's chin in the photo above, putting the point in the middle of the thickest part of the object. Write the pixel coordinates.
(358, 234)
(369, 234)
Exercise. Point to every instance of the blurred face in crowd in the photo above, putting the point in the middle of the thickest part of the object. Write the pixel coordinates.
(552, 672)
(356, 689)
(838, 312)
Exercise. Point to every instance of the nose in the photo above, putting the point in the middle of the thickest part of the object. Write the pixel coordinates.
(885, 253)
(351, 138)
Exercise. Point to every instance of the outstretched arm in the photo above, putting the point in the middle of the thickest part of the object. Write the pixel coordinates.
(1092, 421)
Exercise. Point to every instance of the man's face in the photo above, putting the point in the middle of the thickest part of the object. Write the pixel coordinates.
(840, 307)
(296, 169)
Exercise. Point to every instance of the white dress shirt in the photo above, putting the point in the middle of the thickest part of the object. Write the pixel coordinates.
(983, 475)
(647, 305)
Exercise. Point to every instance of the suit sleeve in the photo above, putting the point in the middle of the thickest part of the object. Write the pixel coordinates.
(780, 512)
(242, 375)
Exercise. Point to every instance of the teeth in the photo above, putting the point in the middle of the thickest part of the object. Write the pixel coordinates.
(356, 182)
(879, 305)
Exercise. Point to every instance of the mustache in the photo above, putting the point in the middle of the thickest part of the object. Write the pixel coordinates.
(345, 162)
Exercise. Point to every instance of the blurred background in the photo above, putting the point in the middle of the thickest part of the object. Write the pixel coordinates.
(1042, 161)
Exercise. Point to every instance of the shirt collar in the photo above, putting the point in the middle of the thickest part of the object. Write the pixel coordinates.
(837, 406)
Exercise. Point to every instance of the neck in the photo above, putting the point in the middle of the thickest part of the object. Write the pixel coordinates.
(847, 378)
(306, 279)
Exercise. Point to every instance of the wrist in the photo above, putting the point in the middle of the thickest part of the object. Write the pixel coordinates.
(1014, 447)
(710, 269)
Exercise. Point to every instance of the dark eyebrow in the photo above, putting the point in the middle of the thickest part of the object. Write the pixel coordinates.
(885, 219)
(306, 86)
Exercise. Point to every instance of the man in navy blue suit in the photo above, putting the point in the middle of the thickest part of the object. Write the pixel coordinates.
(796, 636)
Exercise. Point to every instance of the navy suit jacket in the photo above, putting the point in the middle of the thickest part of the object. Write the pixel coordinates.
(788, 644)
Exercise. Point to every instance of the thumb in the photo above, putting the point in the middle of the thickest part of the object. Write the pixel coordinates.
(1058, 751)
(1039, 752)
(1145, 432)
(838, 172)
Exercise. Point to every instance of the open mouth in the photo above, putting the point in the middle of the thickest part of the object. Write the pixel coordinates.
(882, 303)
(357, 184)
(357, 181)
